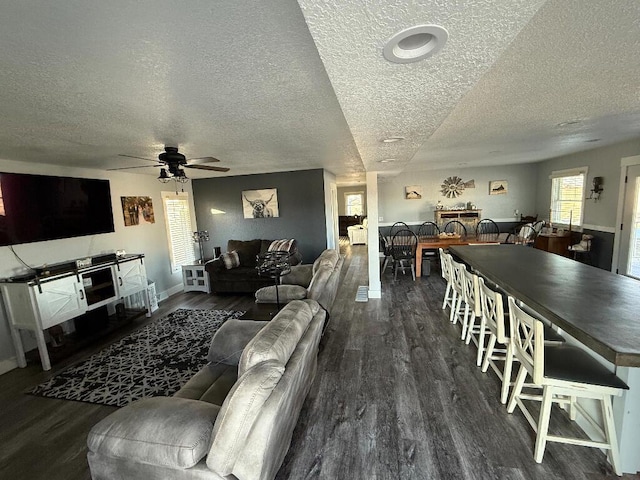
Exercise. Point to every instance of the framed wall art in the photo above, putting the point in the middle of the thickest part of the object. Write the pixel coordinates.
(498, 187)
(260, 203)
(137, 210)
(413, 192)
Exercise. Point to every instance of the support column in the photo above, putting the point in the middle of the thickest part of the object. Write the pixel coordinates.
(375, 287)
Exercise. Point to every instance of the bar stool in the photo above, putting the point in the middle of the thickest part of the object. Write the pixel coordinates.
(565, 373)
(445, 272)
(472, 312)
(492, 309)
(457, 275)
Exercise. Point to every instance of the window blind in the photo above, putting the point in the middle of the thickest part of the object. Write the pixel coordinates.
(179, 231)
(567, 198)
(354, 202)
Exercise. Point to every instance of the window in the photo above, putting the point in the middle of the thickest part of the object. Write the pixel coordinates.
(179, 232)
(567, 196)
(354, 202)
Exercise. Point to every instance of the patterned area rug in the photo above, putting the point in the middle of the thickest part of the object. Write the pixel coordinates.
(153, 361)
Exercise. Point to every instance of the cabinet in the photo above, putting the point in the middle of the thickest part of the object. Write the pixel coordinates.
(37, 302)
(469, 218)
(551, 242)
(195, 278)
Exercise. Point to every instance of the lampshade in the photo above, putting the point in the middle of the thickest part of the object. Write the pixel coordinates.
(164, 177)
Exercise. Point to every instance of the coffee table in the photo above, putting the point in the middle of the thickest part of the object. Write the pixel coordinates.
(260, 311)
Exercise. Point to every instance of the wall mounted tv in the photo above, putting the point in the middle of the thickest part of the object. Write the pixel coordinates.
(34, 208)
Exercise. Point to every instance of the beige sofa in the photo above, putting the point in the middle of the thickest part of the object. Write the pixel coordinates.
(318, 281)
(233, 420)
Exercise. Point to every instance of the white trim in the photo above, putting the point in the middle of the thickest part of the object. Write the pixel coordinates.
(599, 228)
(7, 365)
(625, 163)
(569, 172)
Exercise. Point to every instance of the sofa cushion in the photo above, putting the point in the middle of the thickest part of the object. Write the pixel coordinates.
(230, 260)
(279, 338)
(211, 384)
(168, 431)
(247, 251)
(286, 293)
(327, 257)
(229, 341)
(238, 413)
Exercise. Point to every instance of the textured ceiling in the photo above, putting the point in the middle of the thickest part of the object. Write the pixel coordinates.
(280, 85)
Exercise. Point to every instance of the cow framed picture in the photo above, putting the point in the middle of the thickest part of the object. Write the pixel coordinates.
(260, 203)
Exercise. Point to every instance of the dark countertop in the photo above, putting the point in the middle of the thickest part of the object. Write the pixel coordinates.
(597, 307)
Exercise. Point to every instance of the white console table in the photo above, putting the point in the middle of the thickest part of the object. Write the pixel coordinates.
(40, 301)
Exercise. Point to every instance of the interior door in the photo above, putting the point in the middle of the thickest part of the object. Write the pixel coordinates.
(629, 257)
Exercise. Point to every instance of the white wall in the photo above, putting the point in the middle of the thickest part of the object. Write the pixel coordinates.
(342, 206)
(150, 239)
(521, 179)
(602, 162)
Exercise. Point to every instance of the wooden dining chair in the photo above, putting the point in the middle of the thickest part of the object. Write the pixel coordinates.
(428, 230)
(385, 251)
(454, 226)
(487, 226)
(564, 373)
(396, 227)
(403, 252)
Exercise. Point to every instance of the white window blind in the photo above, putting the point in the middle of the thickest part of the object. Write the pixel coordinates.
(354, 203)
(567, 196)
(179, 231)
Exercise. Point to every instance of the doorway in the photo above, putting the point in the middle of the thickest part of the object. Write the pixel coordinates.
(629, 256)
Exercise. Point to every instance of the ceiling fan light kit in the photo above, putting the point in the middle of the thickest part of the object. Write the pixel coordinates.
(172, 165)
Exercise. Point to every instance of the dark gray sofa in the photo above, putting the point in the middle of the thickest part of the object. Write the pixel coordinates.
(245, 278)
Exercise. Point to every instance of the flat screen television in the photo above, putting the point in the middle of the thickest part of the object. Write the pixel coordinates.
(35, 208)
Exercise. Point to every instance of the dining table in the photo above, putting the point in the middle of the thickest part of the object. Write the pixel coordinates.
(445, 241)
(599, 311)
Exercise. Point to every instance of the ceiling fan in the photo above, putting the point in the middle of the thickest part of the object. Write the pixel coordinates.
(172, 162)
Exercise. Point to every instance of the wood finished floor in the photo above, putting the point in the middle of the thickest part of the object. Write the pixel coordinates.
(397, 396)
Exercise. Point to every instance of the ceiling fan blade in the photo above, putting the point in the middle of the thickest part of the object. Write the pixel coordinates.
(137, 166)
(203, 160)
(140, 158)
(208, 167)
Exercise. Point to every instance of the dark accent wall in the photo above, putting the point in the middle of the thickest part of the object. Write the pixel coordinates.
(300, 203)
(601, 254)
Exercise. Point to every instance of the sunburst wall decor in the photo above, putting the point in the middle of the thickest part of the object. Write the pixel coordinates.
(453, 187)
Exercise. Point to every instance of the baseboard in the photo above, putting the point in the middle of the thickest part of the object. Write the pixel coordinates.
(8, 365)
(172, 291)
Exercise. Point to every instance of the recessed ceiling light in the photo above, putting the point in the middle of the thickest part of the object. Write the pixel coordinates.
(415, 43)
(392, 139)
(592, 140)
(387, 160)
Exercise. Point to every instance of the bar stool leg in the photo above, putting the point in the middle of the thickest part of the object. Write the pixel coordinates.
(543, 423)
(610, 432)
(481, 335)
(506, 374)
(488, 352)
(517, 388)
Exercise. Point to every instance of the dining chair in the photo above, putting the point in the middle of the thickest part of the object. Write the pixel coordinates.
(454, 226)
(403, 251)
(385, 249)
(487, 226)
(396, 227)
(564, 373)
(428, 230)
(445, 272)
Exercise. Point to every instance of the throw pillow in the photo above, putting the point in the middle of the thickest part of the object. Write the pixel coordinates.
(231, 260)
(283, 245)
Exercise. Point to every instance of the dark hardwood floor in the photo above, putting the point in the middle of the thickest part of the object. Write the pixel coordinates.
(397, 396)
